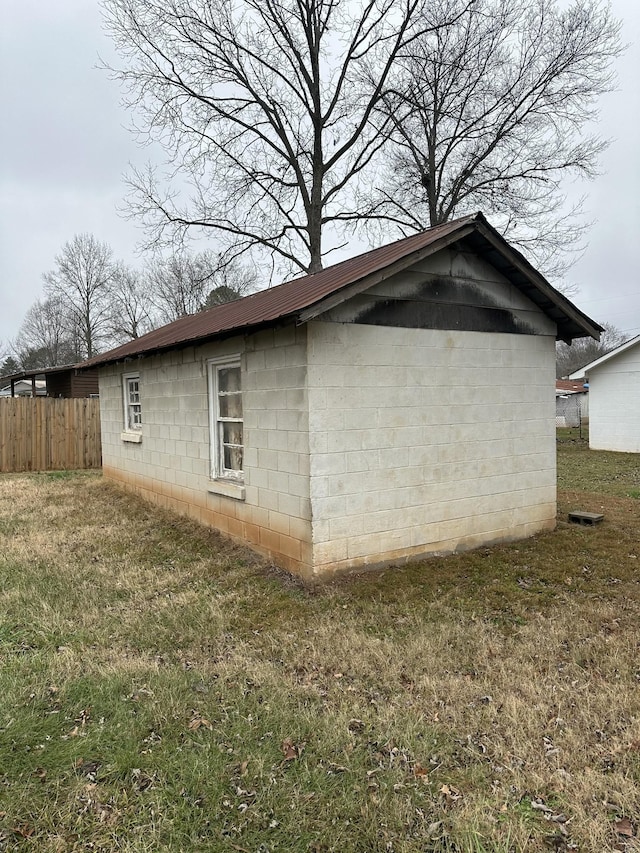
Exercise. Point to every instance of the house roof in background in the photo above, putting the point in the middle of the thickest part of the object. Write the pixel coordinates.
(302, 298)
(583, 371)
(570, 386)
(39, 371)
(5, 390)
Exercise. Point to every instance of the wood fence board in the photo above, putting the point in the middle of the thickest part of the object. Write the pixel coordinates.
(47, 434)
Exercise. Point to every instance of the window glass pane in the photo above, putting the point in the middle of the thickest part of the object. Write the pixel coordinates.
(226, 411)
(233, 458)
(231, 406)
(231, 433)
(133, 407)
(228, 379)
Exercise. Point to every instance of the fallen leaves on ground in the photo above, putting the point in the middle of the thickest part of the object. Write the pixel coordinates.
(290, 750)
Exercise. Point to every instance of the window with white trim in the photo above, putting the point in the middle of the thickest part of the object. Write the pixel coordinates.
(225, 416)
(132, 405)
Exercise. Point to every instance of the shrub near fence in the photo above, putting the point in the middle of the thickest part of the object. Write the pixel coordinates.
(46, 434)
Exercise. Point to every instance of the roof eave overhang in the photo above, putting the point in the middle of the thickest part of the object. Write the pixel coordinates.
(223, 334)
(571, 322)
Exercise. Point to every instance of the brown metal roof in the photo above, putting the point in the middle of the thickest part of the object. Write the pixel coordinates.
(41, 371)
(570, 386)
(288, 301)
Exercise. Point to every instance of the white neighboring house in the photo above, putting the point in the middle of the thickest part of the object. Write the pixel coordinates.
(614, 392)
(24, 388)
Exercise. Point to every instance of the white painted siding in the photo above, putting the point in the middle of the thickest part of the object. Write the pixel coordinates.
(427, 441)
(614, 407)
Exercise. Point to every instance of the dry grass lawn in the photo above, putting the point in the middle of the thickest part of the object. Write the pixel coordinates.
(163, 690)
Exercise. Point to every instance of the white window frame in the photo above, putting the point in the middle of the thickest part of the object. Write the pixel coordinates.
(216, 422)
(130, 424)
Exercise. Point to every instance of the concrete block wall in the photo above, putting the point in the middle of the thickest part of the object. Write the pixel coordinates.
(614, 415)
(396, 442)
(426, 441)
(171, 464)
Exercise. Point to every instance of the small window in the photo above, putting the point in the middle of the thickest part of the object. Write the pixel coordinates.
(132, 406)
(226, 424)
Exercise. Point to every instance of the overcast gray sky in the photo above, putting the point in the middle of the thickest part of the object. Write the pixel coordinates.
(64, 149)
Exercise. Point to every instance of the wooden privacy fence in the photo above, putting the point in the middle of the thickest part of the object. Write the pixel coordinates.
(46, 434)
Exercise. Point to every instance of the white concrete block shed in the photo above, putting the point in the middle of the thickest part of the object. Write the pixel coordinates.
(396, 405)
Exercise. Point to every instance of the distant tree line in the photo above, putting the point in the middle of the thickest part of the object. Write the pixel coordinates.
(92, 302)
(289, 124)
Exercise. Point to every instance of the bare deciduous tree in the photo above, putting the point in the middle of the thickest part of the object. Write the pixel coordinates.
(81, 283)
(571, 357)
(265, 109)
(187, 283)
(130, 305)
(46, 337)
(493, 113)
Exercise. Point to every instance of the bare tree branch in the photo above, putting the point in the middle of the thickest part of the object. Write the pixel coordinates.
(81, 284)
(46, 337)
(266, 110)
(185, 283)
(130, 305)
(491, 112)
